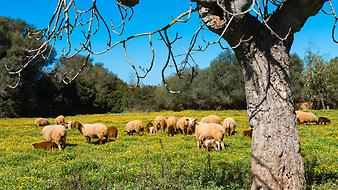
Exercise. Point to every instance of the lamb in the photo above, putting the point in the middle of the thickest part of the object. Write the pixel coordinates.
(248, 133)
(112, 133)
(211, 119)
(186, 125)
(207, 142)
(55, 133)
(96, 130)
(171, 122)
(230, 126)
(60, 120)
(134, 126)
(212, 130)
(171, 130)
(152, 130)
(323, 120)
(305, 117)
(148, 126)
(45, 145)
(41, 122)
(160, 122)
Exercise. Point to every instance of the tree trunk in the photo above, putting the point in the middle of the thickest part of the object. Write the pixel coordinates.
(276, 161)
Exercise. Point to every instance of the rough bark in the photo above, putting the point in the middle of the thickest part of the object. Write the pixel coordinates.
(276, 159)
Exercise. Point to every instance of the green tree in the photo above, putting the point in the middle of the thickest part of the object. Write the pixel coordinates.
(296, 73)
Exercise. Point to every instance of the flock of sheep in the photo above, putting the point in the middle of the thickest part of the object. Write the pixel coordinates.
(208, 132)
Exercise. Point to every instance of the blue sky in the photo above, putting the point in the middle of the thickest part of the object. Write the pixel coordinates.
(151, 14)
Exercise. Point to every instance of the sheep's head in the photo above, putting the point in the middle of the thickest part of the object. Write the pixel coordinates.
(78, 126)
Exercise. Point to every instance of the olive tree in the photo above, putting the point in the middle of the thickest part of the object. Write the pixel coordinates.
(260, 32)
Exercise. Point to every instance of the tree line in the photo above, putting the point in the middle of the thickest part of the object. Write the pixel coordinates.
(41, 91)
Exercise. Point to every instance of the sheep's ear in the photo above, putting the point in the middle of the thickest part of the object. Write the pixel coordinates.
(197, 122)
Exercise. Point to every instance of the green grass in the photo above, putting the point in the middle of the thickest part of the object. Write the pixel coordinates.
(151, 161)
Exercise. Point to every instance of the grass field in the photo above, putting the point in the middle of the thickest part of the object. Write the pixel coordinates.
(151, 161)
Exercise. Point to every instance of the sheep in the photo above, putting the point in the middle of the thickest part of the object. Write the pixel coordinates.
(112, 133)
(55, 133)
(230, 126)
(45, 145)
(212, 130)
(148, 126)
(305, 117)
(171, 122)
(160, 122)
(96, 130)
(323, 120)
(41, 122)
(68, 125)
(248, 133)
(171, 130)
(186, 125)
(60, 120)
(207, 142)
(211, 119)
(152, 130)
(134, 126)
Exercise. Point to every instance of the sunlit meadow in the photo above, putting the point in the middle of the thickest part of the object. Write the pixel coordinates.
(151, 161)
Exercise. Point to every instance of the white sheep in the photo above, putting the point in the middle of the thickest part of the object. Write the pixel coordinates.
(212, 130)
(134, 126)
(160, 122)
(96, 130)
(305, 117)
(56, 134)
(211, 119)
(207, 142)
(60, 120)
(230, 126)
(41, 122)
(186, 125)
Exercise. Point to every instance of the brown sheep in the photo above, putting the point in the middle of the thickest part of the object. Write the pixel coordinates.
(305, 117)
(211, 119)
(41, 122)
(45, 145)
(248, 133)
(134, 126)
(148, 126)
(230, 126)
(171, 130)
(112, 133)
(172, 121)
(160, 122)
(323, 120)
(60, 120)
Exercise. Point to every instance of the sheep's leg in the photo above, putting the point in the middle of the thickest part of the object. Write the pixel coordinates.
(100, 141)
(88, 139)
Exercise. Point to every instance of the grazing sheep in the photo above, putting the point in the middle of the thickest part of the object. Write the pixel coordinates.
(134, 126)
(323, 120)
(207, 142)
(186, 125)
(160, 122)
(112, 133)
(96, 130)
(171, 130)
(212, 130)
(55, 133)
(152, 130)
(230, 126)
(41, 122)
(45, 145)
(148, 126)
(171, 122)
(211, 119)
(60, 120)
(305, 117)
(248, 133)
